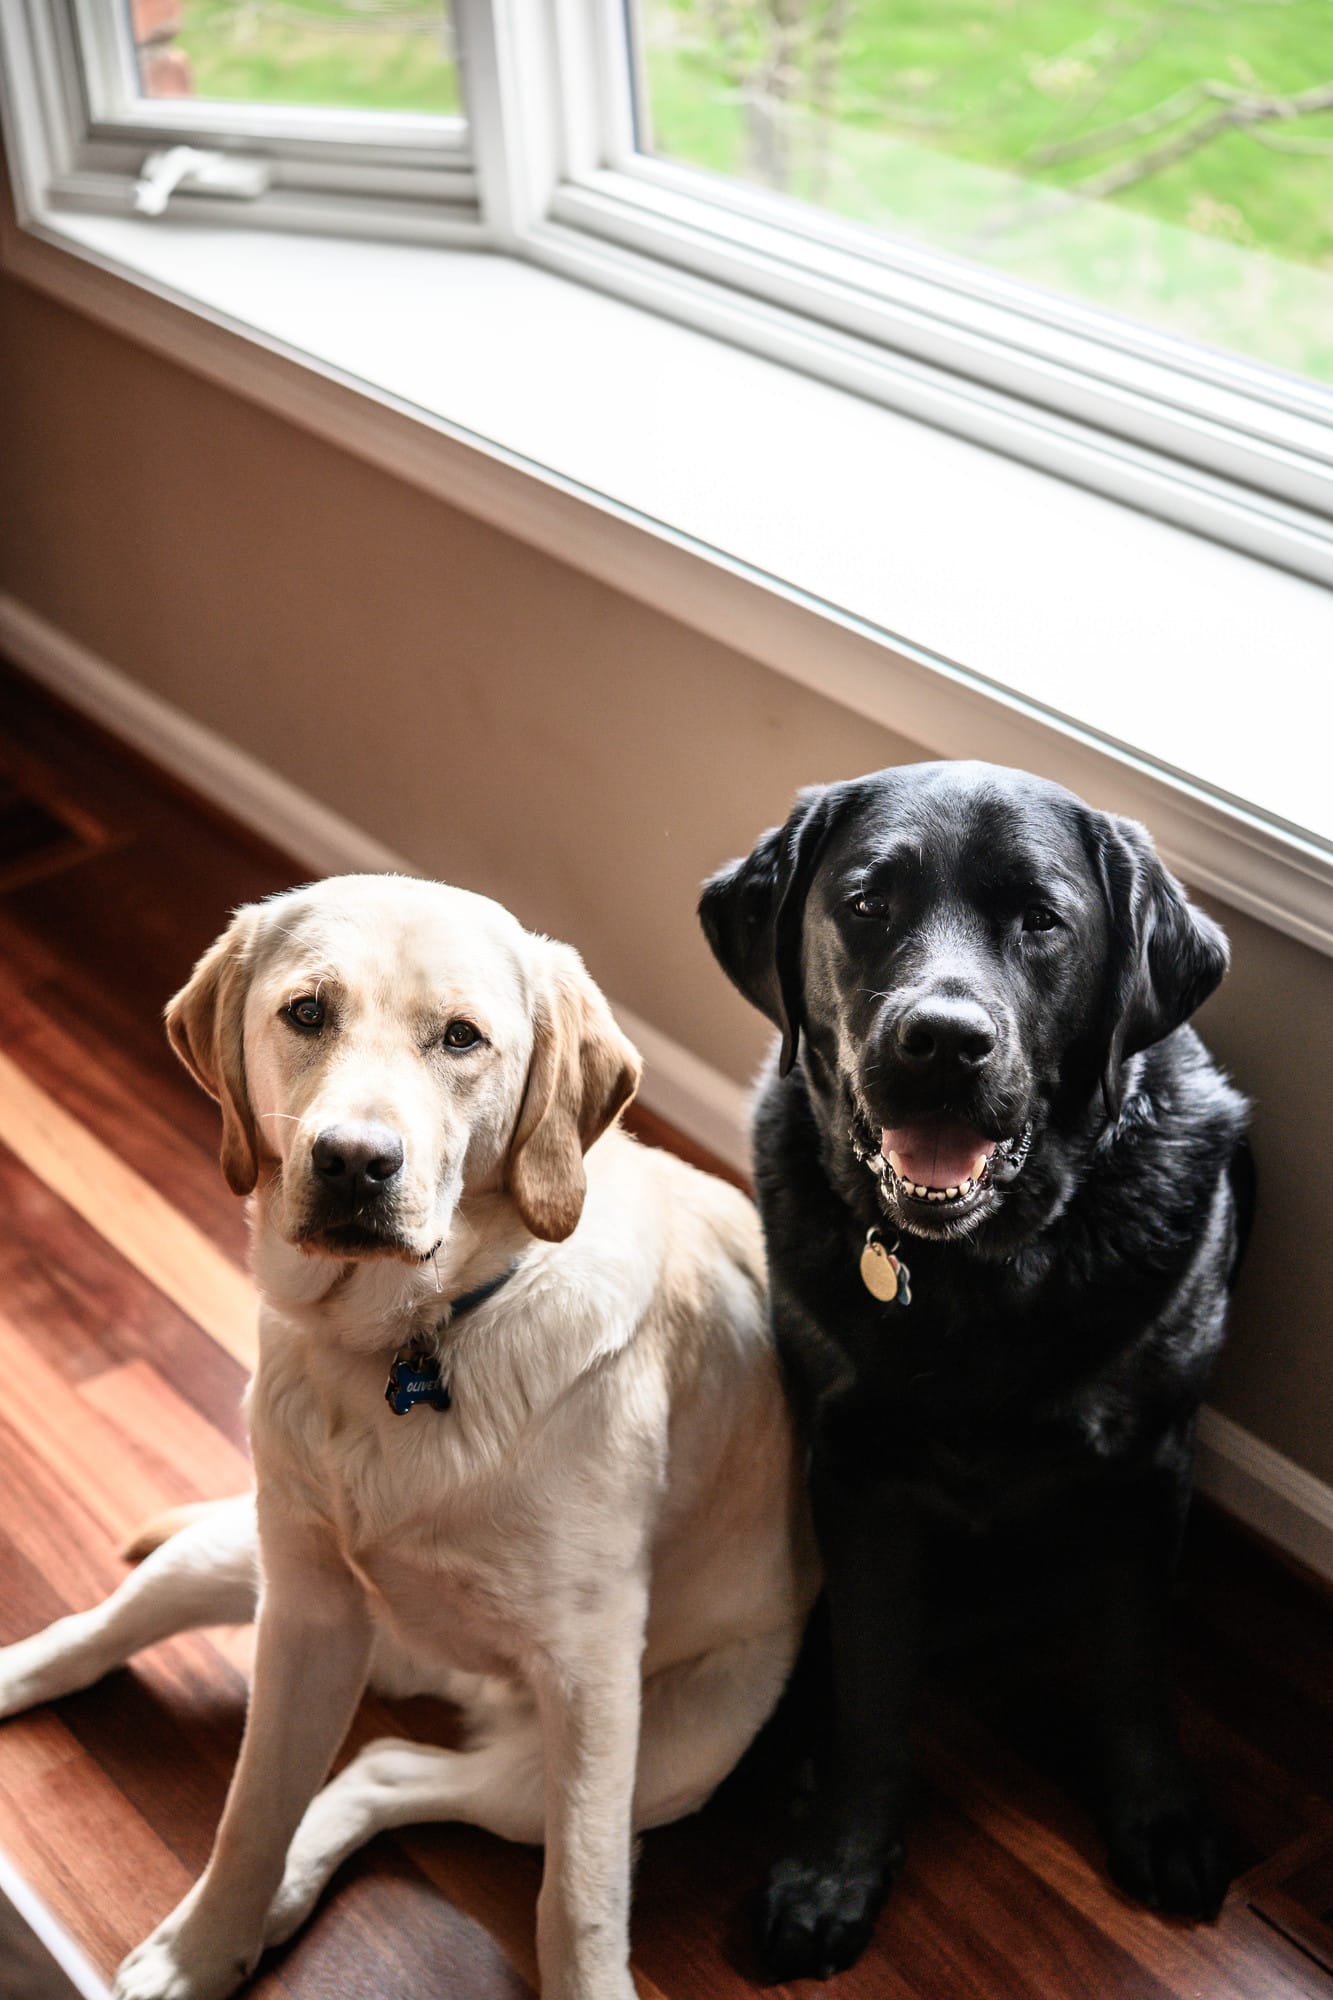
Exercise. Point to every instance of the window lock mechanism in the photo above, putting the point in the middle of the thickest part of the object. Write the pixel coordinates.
(195, 171)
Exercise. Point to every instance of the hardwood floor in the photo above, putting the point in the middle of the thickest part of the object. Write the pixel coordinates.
(125, 1333)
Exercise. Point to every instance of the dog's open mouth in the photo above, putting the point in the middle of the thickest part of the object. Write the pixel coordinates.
(939, 1160)
(940, 1166)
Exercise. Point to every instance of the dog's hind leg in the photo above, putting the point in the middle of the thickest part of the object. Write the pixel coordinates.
(393, 1783)
(204, 1575)
(697, 1720)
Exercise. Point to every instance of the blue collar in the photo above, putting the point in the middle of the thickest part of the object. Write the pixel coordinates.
(470, 1300)
(415, 1375)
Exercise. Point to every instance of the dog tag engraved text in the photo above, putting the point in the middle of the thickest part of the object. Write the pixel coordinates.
(415, 1378)
(884, 1276)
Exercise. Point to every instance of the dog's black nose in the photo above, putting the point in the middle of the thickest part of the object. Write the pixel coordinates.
(946, 1033)
(364, 1157)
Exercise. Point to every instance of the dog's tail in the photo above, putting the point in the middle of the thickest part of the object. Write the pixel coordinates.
(1244, 1193)
(161, 1527)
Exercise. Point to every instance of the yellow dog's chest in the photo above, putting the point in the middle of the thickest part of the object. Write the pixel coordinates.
(422, 1505)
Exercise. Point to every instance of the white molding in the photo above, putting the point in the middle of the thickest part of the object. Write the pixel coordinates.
(1279, 1499)
(243, 787)
(1250, 860)
(1246, 1476)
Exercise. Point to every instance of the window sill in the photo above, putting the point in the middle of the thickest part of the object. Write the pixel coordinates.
(973, 604)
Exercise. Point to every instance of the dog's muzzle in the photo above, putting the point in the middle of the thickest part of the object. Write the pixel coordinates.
(355, 1190)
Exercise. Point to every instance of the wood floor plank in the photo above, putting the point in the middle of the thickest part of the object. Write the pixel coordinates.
(55, 1549)
(138, 1102)
(170, 1252)
(93, 1859)
(114, 1483)
(396, 1938)
(1227, 1960)
(170, 1705)
(60, 1281)
(164, 1430)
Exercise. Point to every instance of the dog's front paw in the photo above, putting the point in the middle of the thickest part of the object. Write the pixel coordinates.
(815, 1918)
(169, 1965)
(1173, 1858)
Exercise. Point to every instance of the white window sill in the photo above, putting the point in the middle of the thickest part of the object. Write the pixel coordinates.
(973, 604)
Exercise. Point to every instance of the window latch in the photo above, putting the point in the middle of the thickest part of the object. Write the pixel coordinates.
(195, 171)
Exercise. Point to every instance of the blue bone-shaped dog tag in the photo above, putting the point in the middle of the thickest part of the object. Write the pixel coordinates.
(415, 1378)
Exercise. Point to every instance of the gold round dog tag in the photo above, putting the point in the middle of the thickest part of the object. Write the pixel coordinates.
(879, 1273)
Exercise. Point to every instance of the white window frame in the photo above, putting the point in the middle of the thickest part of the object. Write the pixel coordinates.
(86, 132)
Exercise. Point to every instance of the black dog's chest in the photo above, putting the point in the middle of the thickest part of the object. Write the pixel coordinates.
(966, 1403)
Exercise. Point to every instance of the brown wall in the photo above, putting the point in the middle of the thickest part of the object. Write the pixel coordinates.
(521, 728)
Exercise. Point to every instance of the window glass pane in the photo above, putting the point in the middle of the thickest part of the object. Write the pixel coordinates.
(1169, 159)
(364, 55)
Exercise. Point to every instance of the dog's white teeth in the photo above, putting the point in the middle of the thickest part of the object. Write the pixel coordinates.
(935, 1194)
(951, 1194)
(979, 1166)
(896, 1162)
(921, 1189)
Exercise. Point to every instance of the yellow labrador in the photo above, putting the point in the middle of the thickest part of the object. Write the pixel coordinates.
(517, 1424)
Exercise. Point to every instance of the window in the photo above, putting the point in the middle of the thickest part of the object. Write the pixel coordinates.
(1093, 234)
(315, 114)
(1170, 162)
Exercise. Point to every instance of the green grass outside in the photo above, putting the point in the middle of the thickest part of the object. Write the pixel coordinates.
(381, 55)
(940, 109)
(992, 81)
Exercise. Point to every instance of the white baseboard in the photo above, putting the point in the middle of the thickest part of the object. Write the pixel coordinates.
(1267, 1491)
(294, 821)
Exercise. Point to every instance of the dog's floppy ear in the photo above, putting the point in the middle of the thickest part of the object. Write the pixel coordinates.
(582, 1075)
(752, 913)
(1165, 957)
(204, 1025)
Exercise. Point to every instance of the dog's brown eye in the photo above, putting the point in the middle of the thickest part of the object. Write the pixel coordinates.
(307, 1013)
(870, 906)
(461, 1035)
(1037, 917)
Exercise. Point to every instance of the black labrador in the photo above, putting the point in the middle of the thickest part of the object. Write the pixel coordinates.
(1004, 1189)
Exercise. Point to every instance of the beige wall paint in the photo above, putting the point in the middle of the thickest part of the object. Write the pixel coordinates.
(521, 728)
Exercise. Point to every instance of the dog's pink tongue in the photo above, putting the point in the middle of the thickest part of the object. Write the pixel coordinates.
(937, 1152)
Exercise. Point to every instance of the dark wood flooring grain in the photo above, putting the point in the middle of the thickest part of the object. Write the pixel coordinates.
(116, 1399)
